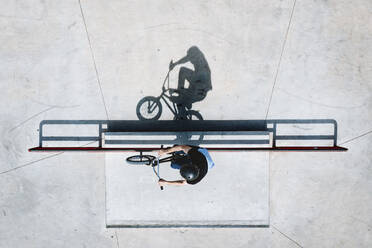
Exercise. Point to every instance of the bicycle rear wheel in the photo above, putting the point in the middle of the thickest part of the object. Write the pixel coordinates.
(140, 159)
(194, 115)
(191, 115)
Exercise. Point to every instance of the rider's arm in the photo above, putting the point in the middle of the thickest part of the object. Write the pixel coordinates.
(178, 182)
(184, 148)
(181, 61)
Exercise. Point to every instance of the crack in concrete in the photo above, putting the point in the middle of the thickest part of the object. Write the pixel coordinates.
(357, 137)
(38, 160)
(94, 61)
(117, 240)
(55, 106)
(23, 122)
(50, 107)
(287, 237)
(160, 25)
(280, 59)
(29, 163)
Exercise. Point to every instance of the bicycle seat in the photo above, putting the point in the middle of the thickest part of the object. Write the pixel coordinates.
(171, 91)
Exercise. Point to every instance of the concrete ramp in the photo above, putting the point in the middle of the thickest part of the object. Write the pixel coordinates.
(235, 193)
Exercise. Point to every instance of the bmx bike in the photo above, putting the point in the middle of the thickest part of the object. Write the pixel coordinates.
(154, 162)
(150, 107)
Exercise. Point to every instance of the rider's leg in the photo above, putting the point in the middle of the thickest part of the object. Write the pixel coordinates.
(184, 74)
(184, 96)
(182, 113)
(183, 101)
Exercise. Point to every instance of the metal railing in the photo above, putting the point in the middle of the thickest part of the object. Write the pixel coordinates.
(245, 128)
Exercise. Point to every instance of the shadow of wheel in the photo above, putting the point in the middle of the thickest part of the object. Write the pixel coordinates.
(149, 108)
(191, 115)
(194, 115)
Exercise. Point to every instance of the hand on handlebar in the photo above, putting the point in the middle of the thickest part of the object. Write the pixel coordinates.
(161, 182)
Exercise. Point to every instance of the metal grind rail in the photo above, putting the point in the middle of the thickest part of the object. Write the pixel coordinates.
(242, 135)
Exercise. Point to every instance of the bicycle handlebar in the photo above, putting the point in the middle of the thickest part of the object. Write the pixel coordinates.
(170, 64)
(166, 79)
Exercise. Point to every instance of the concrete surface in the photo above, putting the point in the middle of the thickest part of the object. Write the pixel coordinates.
(274, 59)
(235, 192)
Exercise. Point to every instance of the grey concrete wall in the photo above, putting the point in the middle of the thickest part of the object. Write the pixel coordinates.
(275, 59)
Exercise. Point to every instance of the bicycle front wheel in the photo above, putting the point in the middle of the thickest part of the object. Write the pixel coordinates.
(149, 108)
(140, 159)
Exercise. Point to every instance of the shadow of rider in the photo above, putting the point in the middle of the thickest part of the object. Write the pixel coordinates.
(199, 79)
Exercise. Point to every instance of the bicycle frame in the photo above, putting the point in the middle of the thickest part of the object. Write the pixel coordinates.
(166, 98)
(163, 160)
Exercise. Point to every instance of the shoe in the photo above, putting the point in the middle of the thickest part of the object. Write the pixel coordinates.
(188, 105)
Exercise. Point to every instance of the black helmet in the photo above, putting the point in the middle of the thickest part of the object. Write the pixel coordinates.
(189, 171)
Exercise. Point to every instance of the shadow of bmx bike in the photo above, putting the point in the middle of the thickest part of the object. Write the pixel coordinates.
(150, 107)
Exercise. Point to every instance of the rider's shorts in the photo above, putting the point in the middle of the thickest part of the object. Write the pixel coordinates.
(174, 164)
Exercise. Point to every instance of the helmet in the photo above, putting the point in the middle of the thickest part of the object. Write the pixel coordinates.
(193, 51)
(189, 171)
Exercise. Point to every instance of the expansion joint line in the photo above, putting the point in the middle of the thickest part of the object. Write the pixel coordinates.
(94, 61)
(280, 59)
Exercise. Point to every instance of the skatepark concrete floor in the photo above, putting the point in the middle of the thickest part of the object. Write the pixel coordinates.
(79, 59)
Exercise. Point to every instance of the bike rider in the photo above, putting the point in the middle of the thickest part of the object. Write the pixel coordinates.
(193, 165)
(199, 79)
